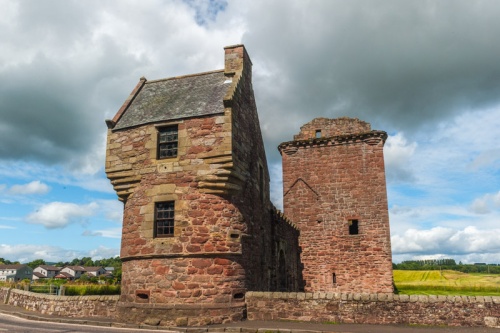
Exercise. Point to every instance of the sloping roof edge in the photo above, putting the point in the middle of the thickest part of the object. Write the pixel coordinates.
(126, 104)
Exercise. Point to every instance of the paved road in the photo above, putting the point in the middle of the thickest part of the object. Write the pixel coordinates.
(355, 328)
(11, 322)
(14, 324)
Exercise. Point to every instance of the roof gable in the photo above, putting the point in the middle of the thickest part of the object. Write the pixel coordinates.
(13, 266)
(94, 268)
(176, 98)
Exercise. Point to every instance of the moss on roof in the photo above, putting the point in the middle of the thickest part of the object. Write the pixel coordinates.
(176, 98)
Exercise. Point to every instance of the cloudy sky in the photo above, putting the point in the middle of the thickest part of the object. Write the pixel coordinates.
(427, 72)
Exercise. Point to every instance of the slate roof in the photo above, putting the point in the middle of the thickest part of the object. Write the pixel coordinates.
(93, 268)
(50, 268)
(176, 98)
(64, 275)
(13, 266)
(76, 268)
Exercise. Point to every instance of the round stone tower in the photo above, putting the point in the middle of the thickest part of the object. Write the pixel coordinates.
(335, 192)
(186, 157)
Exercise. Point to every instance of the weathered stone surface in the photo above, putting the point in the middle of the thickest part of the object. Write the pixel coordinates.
(333, 174)
(227, 237)
(267, 306)
(373, 309)
(68, 306)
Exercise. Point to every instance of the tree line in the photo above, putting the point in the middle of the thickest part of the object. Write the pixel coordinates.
(447, 264)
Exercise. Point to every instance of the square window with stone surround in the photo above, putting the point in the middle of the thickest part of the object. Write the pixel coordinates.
(164, 219)
(168, 141)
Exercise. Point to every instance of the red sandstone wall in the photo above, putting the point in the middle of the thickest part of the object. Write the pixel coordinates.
(327, 182)
(287, 275)
(375, 309)
(204, 223)
(223, 237)
(332, 127)
(67, 306)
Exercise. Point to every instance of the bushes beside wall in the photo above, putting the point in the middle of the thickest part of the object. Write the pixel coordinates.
(91, 289)
(375, 308)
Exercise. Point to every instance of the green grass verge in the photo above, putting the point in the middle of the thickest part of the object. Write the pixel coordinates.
(83, 290)
(446, 283)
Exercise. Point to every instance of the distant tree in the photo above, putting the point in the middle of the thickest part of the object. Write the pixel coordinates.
(74, 262)
(35, 263)
(87, 261)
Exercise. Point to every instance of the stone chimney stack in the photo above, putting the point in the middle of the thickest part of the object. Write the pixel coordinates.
(236, 58)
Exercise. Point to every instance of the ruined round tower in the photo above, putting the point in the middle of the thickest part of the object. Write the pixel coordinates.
(334, 190)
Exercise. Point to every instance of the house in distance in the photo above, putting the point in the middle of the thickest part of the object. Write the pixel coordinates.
(185, 155)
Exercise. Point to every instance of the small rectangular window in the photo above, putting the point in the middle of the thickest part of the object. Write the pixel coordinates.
(318, 134)
(353, 227)
(164, 219)
(334, 278)
(167, 142)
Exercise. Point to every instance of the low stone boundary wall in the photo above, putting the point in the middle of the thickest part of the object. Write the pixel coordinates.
(67, 306)
(375, 308)
(308, 307)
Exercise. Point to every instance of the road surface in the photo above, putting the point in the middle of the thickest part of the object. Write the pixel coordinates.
(13, 324)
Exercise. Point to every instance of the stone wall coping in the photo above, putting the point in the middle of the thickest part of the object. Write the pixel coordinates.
(66, 298)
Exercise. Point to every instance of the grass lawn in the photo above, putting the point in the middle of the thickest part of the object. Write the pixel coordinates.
(446, 283)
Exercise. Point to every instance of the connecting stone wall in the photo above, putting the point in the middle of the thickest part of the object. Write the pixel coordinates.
(375, 308)
(309, 307)
(68, 306)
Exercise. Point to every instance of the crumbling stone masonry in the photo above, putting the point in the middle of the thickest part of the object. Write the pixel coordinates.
(186, 157)
(335, 192)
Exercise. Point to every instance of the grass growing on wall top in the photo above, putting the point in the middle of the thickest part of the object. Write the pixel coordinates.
(92, 289)
(446, 283)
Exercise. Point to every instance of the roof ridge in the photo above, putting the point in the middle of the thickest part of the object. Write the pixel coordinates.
(184, 76)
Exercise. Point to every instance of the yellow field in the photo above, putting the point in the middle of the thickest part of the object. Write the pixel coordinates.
(446, 283)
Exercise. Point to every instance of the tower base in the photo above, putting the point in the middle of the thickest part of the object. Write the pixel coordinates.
(180, 314)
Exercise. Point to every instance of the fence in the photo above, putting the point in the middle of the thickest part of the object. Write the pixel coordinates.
(48, 289)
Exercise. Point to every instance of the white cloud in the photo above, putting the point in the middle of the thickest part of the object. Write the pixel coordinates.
(107, 233)
(448, 242)
(398, 153)
(486, 203)
(34, 187)
(25, 253)
(276, 174)
(111, 210)
(60, 214)
(395, 73)
(103, 252)
(6, 227)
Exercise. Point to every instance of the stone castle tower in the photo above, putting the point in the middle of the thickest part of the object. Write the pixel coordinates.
(186, 157)
(335, 192)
